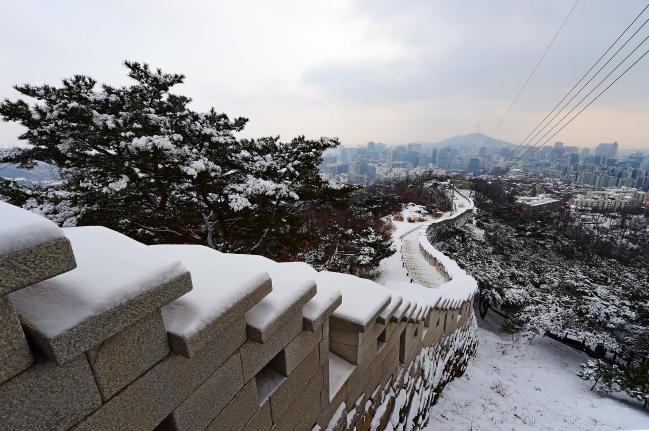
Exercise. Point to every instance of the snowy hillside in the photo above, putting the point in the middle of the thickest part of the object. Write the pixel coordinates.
(522, 386)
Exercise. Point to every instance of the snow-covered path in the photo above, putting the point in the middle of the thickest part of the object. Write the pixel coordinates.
(419, 269)
(405, 239)
(522, 386)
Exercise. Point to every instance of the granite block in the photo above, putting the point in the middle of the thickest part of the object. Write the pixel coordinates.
(326, 328)
(25, 267)
(49, 396)
(325, 381)
(188, 346)
(208, 399)
(239, 411)
(148, 400)
(255, 356)
(96, 329)
(324, 350)
(311, 324)
(128, 354)
(293, 386)
(15, 355)
(331, 405)
(295, 351)
(334, 417)
(346, 351)
(357, 384)
(309, 416)
(263, 335)
(261, 421)
(342, 336)
(310, 396)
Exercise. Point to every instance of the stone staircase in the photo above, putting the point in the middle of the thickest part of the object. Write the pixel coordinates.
(100, 332)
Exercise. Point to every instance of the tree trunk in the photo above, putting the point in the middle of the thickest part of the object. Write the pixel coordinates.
(594, 384)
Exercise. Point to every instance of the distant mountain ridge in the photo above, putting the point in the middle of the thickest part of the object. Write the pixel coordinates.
(471, 142)
(41, 172)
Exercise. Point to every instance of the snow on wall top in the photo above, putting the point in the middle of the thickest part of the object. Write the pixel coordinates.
(401, 310)
(392, 307)
(111, 270)
(220, 281)
(21, 229)
(363, 299)
(291, 281)
(417, 293)
(325, 297)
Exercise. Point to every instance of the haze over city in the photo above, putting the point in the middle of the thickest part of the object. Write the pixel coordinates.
(392, 72)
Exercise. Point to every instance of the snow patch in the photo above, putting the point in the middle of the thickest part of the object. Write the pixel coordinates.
(219, 282)
(111, 270)
(21, 229)
(362, 299)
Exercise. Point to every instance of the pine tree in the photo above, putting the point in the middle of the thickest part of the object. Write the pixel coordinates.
(139, 160)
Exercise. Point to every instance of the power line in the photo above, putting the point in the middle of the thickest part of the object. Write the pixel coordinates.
(538, 63)
(596, 97)
(520, 146)
(537, 146)
(593, 89)
(580, 90)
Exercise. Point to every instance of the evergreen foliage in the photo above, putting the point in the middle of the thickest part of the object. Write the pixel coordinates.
(139, 160)
(550, 273)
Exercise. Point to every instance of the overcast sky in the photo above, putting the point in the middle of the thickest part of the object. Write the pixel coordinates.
(389, 71)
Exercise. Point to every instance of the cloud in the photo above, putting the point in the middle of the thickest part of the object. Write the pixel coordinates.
(361, 70)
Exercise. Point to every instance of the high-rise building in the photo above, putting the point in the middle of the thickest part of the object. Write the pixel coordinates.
(635, 160)
(343, 154)
(607, 150)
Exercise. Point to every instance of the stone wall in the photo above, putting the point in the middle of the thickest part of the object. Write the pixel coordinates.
(413, 377)
(123, 367)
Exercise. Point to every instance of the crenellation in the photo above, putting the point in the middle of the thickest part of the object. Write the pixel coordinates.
(25, 267)
(291, 388)
(255, 356)
(189, 353)
(287, 314)
(148, 400)
(296, 350)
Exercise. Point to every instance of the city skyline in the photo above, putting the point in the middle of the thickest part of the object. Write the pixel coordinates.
(360, 71)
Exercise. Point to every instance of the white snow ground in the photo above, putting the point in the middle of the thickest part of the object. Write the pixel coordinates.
(522, 386)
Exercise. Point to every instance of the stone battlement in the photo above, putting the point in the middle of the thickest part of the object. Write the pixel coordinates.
(101, 332)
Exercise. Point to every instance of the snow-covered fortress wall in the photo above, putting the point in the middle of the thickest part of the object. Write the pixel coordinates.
(100, 332)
